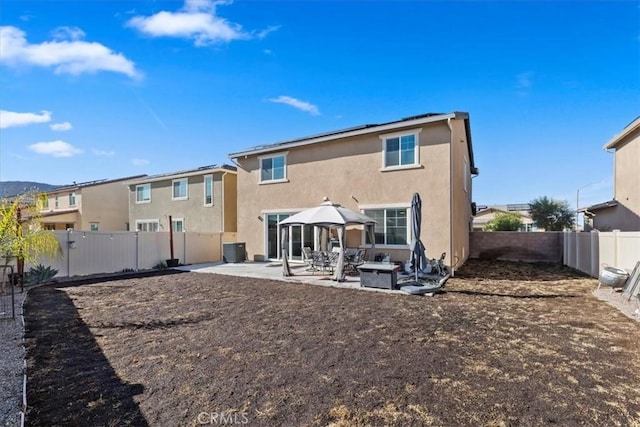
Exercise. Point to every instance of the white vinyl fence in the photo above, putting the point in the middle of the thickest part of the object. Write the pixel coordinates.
(589, 252)
(85, 252)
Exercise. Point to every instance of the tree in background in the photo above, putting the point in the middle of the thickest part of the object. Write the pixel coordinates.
(21, 235)
(551, 215)
(508, 221)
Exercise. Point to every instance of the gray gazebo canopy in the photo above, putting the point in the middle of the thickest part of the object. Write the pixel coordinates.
(327, 215)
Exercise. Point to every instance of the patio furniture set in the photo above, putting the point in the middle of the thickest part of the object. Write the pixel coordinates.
(327, 260)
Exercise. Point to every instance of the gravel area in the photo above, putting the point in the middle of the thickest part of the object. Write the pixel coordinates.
(615, 298)
(11, 366)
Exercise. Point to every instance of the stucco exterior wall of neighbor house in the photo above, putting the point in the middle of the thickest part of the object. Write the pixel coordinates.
(192, 210)
(627, 182)
(105, 205)
(349, 171)
(622, 213)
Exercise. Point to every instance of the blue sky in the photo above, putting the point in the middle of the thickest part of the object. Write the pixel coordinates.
(106, 89)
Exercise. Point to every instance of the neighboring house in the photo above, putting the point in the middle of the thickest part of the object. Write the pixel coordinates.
(374, 169)
(198, 200)
(90, 206)
(486, 214)
(623, 212)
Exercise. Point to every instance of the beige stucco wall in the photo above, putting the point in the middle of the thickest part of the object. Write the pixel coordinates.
(197, 217)
(461, 189)
(627, 182)
(105, 204)
(348, 171)
(230, 204)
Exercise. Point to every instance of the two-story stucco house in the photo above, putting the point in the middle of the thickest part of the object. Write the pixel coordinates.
(623, 212)
(374, 169)
(197, 200)
(91, 206)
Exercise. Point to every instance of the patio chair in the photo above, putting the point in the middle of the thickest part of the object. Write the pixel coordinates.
(332, 260)
(382, 257)
(307, 257)
(319, 261)
(354, 261)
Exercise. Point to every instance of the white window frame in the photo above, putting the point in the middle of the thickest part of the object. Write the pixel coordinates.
(404, 206)
(175, 221)
(204, 181)
(147, 185)
(416, 149)
(72, 198)
(273, 156)
(57, 202)
(148, 221)
(186, 189)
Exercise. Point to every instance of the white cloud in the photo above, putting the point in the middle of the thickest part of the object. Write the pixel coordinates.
(66, 53)
(61, 127)
(198, 21)
(55, 148)
(140, 162)
(264, 33)
(103, 153)
(68, 33)
(296, 103)
(10, 119)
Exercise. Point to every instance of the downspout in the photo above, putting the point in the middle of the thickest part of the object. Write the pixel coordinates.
(451, 196)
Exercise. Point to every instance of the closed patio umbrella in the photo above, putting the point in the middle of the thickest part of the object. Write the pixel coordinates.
(418, 256)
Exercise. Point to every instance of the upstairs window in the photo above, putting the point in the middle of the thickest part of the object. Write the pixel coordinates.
(180, 189)
(208, 190)
(143, 193)
(400, 150)
(57, 202)
(72, 199)
(273, 169)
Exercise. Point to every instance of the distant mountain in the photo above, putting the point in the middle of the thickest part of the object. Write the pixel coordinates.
(12, 188)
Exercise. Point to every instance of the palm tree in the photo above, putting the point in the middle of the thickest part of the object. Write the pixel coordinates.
(21, 235)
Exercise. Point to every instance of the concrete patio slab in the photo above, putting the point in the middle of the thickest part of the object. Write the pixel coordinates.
(273, 271)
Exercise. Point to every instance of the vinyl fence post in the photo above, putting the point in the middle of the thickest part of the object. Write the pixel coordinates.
(595, 253)
(137, 248)
(68, 252)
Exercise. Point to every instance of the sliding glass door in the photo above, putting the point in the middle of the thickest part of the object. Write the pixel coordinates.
(299, 237)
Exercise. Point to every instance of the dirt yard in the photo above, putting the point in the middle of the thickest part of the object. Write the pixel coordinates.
(506, 344)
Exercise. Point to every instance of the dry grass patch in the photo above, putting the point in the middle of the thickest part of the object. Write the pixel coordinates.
(506, 344)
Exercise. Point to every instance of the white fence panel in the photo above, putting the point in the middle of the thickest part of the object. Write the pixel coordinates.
(201, 247)
(628, 249)
(153, 249)
(85, 252)
(588, 252)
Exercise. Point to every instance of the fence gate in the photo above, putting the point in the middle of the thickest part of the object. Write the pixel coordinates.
(7, 296)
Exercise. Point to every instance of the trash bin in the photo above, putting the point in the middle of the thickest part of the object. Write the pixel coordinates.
(233, 252)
